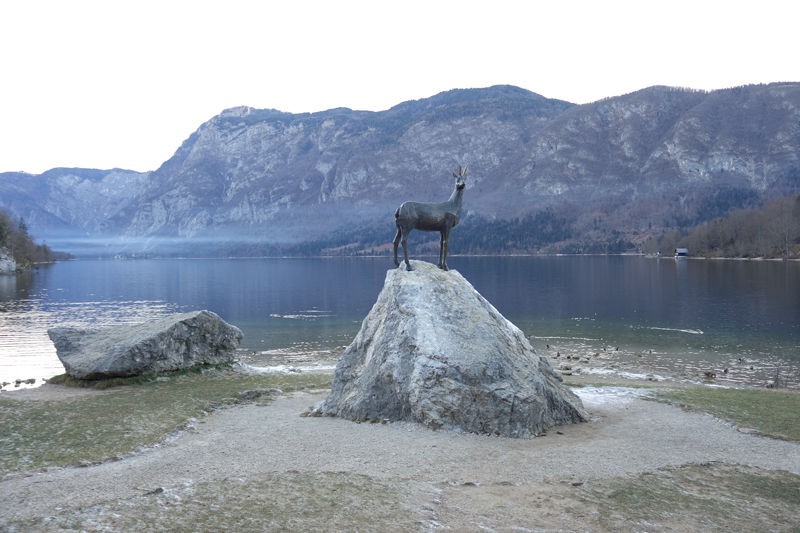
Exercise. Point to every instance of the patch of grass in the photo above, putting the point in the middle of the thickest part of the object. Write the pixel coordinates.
(101, 426)
(103, 384)
(699, 498)
(289, 502)
(774, 413)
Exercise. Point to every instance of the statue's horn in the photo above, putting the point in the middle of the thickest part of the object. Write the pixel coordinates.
(465, 170)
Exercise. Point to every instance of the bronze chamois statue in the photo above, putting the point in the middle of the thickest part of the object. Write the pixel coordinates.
(441, 217)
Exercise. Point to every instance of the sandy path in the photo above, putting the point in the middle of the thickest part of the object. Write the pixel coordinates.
(627, 435)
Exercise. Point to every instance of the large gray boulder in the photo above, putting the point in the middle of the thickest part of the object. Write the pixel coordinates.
(433, 350)
(179, 341)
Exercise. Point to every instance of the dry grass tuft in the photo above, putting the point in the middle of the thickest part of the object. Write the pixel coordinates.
(94, 428)
(291, 501)
(774, 413)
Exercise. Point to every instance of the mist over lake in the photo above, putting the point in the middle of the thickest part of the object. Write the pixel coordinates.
(685, 316)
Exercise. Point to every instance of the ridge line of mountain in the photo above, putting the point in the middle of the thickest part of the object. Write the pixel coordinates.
(635, 165)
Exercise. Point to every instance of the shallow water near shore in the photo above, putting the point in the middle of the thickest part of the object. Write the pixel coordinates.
(679, 318)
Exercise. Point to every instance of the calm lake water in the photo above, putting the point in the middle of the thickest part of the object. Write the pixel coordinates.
(685, 316)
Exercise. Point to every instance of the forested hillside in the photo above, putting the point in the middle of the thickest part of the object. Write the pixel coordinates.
(770, 231)
(14, 238)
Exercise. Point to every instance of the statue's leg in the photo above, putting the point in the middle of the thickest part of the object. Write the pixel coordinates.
(396, 243)
(445, 245)
(441, 249)
(405, 250)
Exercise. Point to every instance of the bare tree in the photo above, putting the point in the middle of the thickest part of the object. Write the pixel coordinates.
(781, 224)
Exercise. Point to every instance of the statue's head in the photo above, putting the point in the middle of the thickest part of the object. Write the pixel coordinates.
(461, 177)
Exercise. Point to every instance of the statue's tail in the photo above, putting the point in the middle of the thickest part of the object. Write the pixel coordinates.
(397, 212)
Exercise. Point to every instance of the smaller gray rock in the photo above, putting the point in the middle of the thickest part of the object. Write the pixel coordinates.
(257, 393)
(173, 343)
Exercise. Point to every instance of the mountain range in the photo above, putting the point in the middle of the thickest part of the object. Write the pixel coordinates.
(544, 174)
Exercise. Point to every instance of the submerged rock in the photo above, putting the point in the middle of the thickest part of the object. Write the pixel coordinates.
(433, 350)
(180, 341)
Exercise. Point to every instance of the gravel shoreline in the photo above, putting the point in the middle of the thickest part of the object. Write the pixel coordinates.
(626, 435)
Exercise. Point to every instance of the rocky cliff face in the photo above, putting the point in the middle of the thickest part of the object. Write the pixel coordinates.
(662, 138)
(7, 263)
(69, 201)
(639, 161)
(284, 178)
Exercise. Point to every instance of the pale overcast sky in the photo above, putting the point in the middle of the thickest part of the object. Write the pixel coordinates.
(116, 83)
